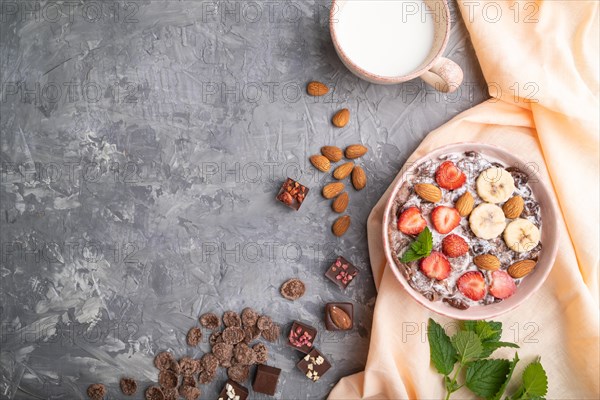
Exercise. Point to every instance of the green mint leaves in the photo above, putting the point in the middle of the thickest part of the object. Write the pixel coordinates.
(468, 350)
(420, 248)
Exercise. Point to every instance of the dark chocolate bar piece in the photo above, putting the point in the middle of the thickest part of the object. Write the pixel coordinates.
(302, 336)
(233, 391)
(292, 193)
(265, 380)
(339, 316)
(342, 272)
(314, 365)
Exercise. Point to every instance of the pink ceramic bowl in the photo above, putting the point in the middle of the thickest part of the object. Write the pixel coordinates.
(549, 237)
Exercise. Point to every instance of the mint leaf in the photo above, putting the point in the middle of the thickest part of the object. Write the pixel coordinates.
(535, 380)
(442, 353)
(490, 347)
(410, 255)
(420, 248)
(511, 368)
(486, 377)
(467, 345)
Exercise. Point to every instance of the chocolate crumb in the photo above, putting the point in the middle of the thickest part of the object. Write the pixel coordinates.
(210, 363)
(167, 379)
(128, 386)
(215, 338)
(189, 392)
(249, 317)
(231, 318)
(233, 335)
(272, 334)
(96, 391)
(210, 321)
(264, 322)
(244, 354)
(261, 353)
(188, 366)
(163, 360)
(238, 373)
(293, 289)
(194, 336)
(154, 393)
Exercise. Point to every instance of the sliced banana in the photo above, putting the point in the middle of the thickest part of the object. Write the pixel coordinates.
(487, 221)
(521, 235)
(495, 185)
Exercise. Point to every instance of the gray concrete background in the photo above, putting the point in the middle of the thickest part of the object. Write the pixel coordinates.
(142, 146)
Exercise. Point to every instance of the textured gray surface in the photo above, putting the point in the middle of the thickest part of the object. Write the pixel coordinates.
(143, 143)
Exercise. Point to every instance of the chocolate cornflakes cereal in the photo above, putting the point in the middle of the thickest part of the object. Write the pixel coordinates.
(238, 373)
(210, 363)
(174, 366)
(223, 351)
(206, 377)
(167, 379)
(96, 391)
(233, 335)
(271, 334)
(264, 322)
(215, 338)
(251, 333)
(293, 289)
(189, 392)
(188, 366)
(261, 353)
(249, 317)
(128, 386)
(163, 360)
(194, 336)
(227, 363)
(231, 318)
(210, 321)
(188, 381)
(170, 394)
(154, 393)
(244, 354)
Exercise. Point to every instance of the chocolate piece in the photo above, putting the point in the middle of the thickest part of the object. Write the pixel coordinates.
(293, 289)
(96, 391)
(194, 336)
(215, 338)
(262, 353)
(233, 335)
(342, 272)
(292, 193)
(188, 366)
(163, 360)
(264, 322)
(231, 318)
(210, 321)
(167, 379)
(339, 316)
(244, 354)
(249, 317)
(154, 393)
(314, 365)
(189, 392)
(128, 386)
(302, 336)
(223, 351)
(233, 391)
(272, 334)
(265, 380)
(209, 363)
(238, 372)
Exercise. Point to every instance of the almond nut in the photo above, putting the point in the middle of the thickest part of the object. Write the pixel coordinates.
(341, 225)
(333, 189)
(521, 268)
(320, 162)
(340, 203)
(428, 192)
(488, 262)
(513, 207)
(333, 154)
(315, 88)
(359, 178)
(465, 204)
(355, 151)
(341, 118)
(343, 170)
(340, 318)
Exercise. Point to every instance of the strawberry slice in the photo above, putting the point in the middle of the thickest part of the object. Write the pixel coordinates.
(449, 176)
(435, 266)
(502, 286)
(454, 246)
(411, 222)
(472, 285)
(445, 218)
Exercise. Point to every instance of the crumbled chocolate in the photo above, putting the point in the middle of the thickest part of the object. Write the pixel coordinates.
(215, 338)
(264, 322)
(261, 353)
(223, 351)
(163, 360)
(238, 373)
(167, 379)
(231, 318)
(154, 393)
(251, 333)
(189, 392)
(244, 354)
(188, 366)
(233, 335)
(128, 386)
(210, 363)
(210, 321)
(293, 289)
(272, 334)
(292, 193)
(96, 391)
(249, 317)
(194, 336)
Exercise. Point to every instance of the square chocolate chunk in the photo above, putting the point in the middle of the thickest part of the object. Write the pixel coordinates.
(233, 391)
(342, 272)
(265, 380)
(292, 193)
(339, 316)
(314, 365)
(302, 336)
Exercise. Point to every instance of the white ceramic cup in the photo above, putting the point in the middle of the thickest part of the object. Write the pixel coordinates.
(439, 72)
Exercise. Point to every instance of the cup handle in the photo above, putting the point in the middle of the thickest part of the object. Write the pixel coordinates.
(444, 75)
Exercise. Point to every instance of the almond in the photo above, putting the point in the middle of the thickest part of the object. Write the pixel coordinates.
(341, 118)
(465, 204)
(320, 162)
(340, 318)
(333, 189)
(521, 268)
(343, 170)
(341, 225)
(513, 207)
(333, 154)
(340, 203)
(316, 88)
(359, 178)
(355, 151)
(428, 192)
(488, 262)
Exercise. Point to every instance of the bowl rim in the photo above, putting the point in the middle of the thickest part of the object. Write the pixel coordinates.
(552, 249)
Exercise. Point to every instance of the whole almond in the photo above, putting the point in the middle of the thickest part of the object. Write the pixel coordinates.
(333, 189)
(341, 118)
(465, 204)
(359, 178)
(340, 318)
(521, 268)
(488, 262)
(316, 88)
(355, 151)
(320, 162)
(428, 192)
(343, 170)
(333, 154)
(513, 207)
(341, 225)
(340, 203)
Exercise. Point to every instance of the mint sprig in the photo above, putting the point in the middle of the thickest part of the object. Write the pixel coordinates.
(420, 248)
